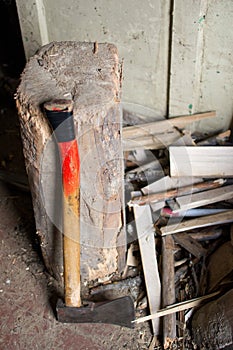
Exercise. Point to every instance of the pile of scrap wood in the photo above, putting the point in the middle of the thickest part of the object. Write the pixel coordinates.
(179, 191)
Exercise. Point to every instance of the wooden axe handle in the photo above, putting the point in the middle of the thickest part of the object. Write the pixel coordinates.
(59, 114)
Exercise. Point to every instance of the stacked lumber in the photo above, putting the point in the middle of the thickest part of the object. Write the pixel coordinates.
(179, 191)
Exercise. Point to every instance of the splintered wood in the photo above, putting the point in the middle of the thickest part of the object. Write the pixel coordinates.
(197, 182)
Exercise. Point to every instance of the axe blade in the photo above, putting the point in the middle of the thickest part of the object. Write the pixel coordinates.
(119, 312)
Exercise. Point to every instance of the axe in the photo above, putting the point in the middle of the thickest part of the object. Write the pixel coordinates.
(119, 311)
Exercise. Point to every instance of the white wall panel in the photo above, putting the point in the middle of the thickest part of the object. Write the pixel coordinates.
(202, 59)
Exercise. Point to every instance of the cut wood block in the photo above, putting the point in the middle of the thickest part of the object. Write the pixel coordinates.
(204, 198)
(145, 231)
(209, 220)
(206, 161)
(58, 70)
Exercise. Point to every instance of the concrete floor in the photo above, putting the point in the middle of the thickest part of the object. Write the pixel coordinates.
(26, 294)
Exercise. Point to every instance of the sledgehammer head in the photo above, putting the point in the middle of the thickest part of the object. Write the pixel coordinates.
(119, 312)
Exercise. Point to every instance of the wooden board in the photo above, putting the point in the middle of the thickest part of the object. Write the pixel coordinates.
(92, 78)
(206, 161)
(183, 305)
(168, 290)
(145, 231)
(160, 134)
(163, 126)
(149, 141)
(190, 244)
(204, 198)
(167, 183)
(209, 220)
(186, 191)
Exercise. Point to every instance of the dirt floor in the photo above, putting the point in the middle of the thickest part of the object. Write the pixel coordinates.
(27, 293)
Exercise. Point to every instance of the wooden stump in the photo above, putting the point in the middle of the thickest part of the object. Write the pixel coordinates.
(90, 74)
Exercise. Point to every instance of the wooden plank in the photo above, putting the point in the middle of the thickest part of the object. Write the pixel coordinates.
(190, 244)
(209, 220)
(167, 183)
(183, 305)
(190, 189)
(149, 141)
(145, 231)
(163, 126)
(204, 198)
(207, 234)
(206, 161)
(168, 290)
(167, 212)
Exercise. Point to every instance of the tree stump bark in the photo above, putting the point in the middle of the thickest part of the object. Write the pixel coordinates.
(90, 74)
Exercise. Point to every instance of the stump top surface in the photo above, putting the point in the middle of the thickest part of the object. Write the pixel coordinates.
(87, 72)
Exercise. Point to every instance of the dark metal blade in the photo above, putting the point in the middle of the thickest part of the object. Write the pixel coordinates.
(119, 311)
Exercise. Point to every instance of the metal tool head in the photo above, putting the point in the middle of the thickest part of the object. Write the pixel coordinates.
(119, 312)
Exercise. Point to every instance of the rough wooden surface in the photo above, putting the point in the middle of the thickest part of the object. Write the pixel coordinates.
(168, 289)
(93, 79)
